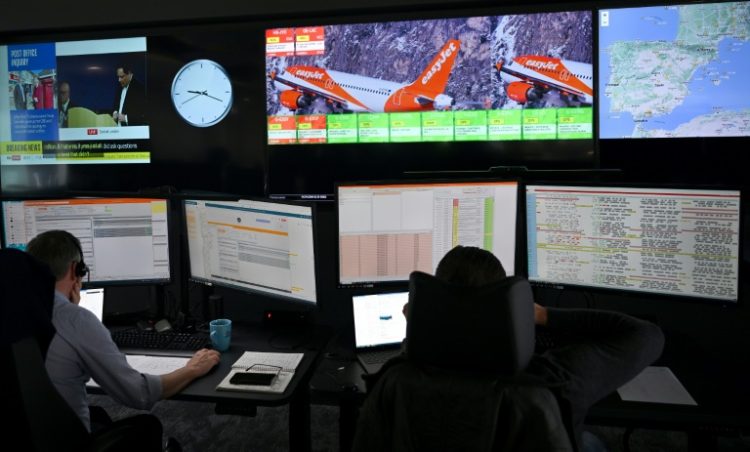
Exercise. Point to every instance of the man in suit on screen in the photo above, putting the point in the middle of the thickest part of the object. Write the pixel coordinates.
(130, 101)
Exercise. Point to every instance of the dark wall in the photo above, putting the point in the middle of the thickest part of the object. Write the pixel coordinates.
(88, 13)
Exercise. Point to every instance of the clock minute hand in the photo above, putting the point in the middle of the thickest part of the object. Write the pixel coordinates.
(212, 97)
(188, 100)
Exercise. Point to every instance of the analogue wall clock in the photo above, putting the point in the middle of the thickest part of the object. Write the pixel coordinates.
(202, 93)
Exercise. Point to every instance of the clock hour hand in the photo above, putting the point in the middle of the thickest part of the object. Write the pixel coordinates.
(196, 92)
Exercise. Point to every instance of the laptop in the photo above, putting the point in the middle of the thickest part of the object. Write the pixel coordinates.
(379, 327)
(93, 300)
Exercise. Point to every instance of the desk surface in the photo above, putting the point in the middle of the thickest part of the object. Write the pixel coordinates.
(258, 338)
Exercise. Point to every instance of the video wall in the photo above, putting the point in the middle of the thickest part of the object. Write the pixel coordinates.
(227, 106)
(463, 79)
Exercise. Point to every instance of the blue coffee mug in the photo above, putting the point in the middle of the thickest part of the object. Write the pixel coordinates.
(221, 334)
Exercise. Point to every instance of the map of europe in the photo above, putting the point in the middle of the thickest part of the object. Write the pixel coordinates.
(677, 71)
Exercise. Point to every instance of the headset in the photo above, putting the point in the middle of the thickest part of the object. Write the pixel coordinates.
(81, 269)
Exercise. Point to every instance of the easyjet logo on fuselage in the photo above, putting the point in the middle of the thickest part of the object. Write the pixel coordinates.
(304, 73)
(541, 65)
(447, 52)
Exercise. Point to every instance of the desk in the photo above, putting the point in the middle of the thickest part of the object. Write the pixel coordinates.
(297, 395)
(722, 401)
(716, 386)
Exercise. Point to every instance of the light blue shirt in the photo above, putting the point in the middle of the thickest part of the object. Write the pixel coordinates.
(83, 348)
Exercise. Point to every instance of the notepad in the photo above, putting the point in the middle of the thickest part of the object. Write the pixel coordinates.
(283, 365)
(155, 365)
(656, 385)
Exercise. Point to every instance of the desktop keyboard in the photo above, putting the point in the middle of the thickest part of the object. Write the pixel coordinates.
(151, 342)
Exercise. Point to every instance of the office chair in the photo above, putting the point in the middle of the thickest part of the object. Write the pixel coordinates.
(39, 417)
(460, 386)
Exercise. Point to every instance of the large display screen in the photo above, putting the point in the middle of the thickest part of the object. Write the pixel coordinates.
(265, 247)
(74, 102)
(388, 230)
(674, 71)
(487, 78)
(122, 239)
(660, 240)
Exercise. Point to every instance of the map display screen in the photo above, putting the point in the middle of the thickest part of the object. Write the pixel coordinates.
(675, 71)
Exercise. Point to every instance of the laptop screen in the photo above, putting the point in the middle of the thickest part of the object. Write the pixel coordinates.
(93, 300)
(378, 319)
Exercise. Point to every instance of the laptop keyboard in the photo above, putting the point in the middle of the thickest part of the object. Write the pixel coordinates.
(150, 340)
(377, 356)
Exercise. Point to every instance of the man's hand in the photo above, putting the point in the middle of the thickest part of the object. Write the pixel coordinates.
(203, 361)
(197, 366)
(540, 315)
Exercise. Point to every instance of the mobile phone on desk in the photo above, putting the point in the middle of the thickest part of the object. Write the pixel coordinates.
(252, 378)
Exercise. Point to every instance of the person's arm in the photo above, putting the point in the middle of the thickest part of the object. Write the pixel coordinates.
(109, 367)
(610, 348)
(175, 381)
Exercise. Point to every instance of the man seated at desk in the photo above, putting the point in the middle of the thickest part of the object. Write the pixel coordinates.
(83, 348)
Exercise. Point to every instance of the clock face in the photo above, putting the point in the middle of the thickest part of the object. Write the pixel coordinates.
(202, 93)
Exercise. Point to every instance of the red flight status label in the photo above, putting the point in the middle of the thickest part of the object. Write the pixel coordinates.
(280, 42)
(311, 128)
(282, 130)
(310, 41)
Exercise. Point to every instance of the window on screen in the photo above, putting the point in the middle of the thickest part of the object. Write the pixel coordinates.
(253, 245)
(62, 98)
(386, 231)
(123, 239)
(660, 240)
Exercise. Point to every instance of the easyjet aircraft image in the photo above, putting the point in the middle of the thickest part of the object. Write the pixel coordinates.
(529, 77)
(299, 85)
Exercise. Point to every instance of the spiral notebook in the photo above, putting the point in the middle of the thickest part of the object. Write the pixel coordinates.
(282, 365)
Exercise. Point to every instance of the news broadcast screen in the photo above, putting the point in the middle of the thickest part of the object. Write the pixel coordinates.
(74, 102)
(488, 78)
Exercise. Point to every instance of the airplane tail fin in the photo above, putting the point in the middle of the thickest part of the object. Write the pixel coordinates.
(435, 76)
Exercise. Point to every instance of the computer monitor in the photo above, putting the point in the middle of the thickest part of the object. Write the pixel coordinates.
(674, 71)
(669, 241)
(389, 229)
(124, 240)
(266, 246)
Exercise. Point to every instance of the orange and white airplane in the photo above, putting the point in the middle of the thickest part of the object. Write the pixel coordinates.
(530, 76)
(299, 85)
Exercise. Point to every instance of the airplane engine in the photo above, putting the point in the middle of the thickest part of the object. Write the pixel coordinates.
(294, 99)
(443, 102)
(523, 92)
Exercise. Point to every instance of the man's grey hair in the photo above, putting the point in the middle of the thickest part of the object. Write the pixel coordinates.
(56, 249)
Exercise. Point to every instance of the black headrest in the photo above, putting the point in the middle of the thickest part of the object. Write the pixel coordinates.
(488, 329)
(27, 290)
